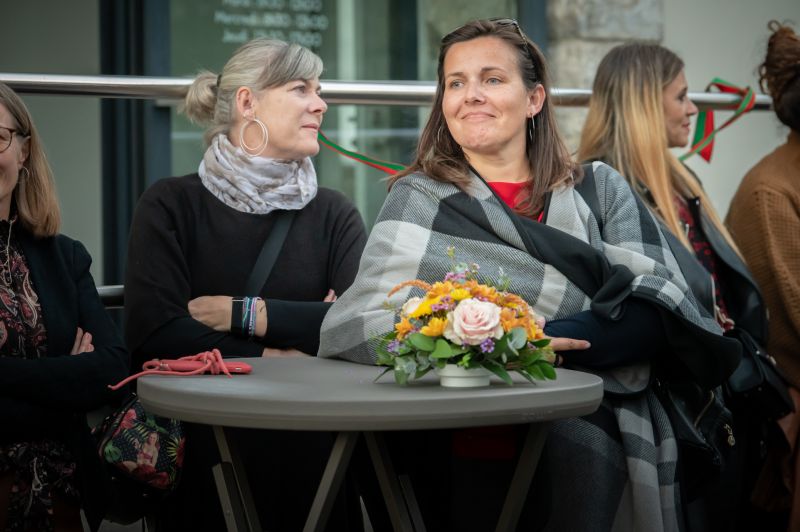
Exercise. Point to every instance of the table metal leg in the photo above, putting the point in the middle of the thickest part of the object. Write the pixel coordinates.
(234, 492)
(331, 481)
(390, 487)
(523, 475)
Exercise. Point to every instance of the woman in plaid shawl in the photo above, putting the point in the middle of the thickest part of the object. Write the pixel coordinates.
(493, 179)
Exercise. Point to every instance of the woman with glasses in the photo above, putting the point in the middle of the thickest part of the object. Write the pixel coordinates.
(493, 179)
(639, 109)
(59, 349)
(196, 240)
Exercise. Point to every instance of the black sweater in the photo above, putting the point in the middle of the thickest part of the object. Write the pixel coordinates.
(185, 243)
(49, 396)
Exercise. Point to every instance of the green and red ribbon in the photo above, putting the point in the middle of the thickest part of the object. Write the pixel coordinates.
(704, 132)
(383, 166)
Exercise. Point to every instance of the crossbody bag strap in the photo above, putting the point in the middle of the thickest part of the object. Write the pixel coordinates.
(269, 253)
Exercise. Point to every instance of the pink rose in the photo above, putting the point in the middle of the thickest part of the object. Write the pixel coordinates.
(472, 322)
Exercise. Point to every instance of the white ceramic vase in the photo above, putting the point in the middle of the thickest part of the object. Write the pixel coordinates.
(453, 376)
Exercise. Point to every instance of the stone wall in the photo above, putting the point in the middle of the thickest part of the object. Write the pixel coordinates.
(582, 32)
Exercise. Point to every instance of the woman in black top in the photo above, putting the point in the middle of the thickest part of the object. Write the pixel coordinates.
(195, 239)
(194, 243)
(58, 347)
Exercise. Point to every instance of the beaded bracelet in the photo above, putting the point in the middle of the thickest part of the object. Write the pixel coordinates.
(252, 314)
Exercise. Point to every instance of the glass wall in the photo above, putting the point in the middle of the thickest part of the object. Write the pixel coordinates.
(357, 40)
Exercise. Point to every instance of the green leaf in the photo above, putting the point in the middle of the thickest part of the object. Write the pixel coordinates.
(458, 349)
(400, 377)
(384, 372)
(525, 374)
(518, 337)
(421, 342)
(500, 371)
(542, 342)
(421, 372)
(501, 346)
(536, 373)
(547, 370)
(385, 358)
(442, 349)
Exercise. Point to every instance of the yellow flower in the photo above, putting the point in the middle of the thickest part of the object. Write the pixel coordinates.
(435, 327)
(403, 328)
(460, 293)
(424, 308)
(440, 289)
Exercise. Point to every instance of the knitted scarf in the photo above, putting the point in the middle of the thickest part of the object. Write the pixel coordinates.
(256, 185)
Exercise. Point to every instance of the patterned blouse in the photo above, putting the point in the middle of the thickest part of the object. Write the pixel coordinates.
(706, 256)
(43, 468)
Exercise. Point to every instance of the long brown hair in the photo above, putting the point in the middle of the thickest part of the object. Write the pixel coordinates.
(35, 193)
(441, 158)
(625, 127)
(780, 73)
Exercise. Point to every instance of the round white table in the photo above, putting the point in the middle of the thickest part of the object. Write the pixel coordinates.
(318, 394)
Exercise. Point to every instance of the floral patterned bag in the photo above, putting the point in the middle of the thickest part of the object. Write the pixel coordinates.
(143, 454)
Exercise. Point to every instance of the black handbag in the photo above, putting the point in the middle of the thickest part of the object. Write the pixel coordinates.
(703, 428)
(758, 385)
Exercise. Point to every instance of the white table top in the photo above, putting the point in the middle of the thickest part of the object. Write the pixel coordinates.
(333, 395)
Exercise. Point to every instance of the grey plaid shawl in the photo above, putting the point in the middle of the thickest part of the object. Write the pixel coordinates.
(618, 465)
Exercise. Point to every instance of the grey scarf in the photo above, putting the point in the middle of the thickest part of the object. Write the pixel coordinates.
(256, 185)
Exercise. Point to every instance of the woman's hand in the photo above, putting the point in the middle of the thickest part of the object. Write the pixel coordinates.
(562, 344)
(83, 343)
(270, 352)
(330, 297)
(213, 311)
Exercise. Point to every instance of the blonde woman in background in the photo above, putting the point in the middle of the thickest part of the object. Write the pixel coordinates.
(639, 109)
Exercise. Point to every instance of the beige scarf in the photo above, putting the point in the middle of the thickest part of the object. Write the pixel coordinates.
(256, 185)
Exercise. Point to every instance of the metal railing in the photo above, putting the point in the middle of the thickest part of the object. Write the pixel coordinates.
(416, 93)
(171, 90)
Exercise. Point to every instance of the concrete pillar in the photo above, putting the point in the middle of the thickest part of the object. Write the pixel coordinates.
(582, 32)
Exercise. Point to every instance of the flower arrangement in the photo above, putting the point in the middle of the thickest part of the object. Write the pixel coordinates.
(467, 323)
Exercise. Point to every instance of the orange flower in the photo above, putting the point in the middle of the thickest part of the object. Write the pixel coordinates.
(403, 328)
(435, 327)
(488, 293)
(508, 319)
(440, 289)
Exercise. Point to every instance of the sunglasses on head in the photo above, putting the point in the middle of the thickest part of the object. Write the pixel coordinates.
(504, 22)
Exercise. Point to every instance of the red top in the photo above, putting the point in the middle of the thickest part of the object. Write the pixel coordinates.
(499, 442)
(510, 193)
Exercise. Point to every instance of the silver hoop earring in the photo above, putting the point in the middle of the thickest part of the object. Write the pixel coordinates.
(27, 174)
(264, 137)
(531, 127)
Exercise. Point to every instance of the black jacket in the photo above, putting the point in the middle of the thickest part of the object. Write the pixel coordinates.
(49, 397)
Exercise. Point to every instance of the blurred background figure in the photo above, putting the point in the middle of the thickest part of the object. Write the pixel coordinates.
(765, 220)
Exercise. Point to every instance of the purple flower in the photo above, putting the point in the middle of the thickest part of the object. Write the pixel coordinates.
(446, 303)
(393, 346)
(487, 346)
(455, 276)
